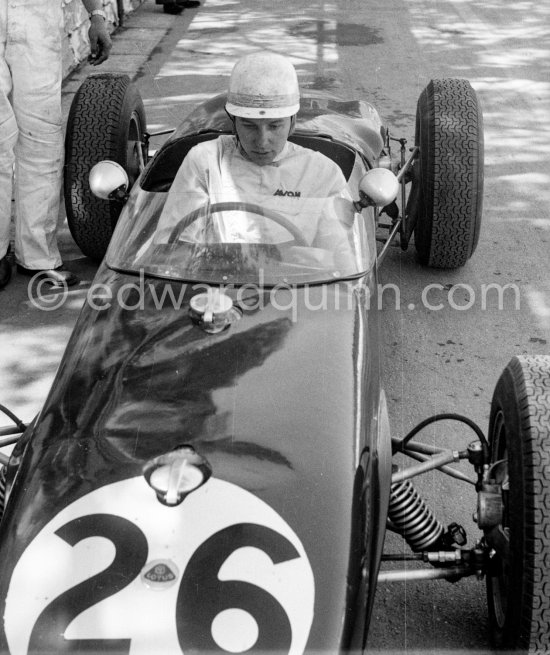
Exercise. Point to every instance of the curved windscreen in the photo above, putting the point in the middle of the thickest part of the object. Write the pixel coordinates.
(261, 239)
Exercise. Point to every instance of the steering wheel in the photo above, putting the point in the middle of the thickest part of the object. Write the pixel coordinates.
(274, 216)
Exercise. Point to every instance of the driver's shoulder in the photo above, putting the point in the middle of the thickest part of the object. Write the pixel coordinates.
(312, 156)
(223, 144)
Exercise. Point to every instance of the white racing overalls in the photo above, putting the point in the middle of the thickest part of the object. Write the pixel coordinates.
(217, 171)
(31, 135)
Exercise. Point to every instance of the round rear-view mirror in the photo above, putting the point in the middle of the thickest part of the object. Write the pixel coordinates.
(108, 180)
(380, 186)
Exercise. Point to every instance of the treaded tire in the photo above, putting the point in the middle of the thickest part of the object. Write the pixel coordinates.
(519, 431)
(449, 133)
(106, 121)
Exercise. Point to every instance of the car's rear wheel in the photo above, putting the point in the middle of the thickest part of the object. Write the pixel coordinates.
(106, 121)
(518, 579)
(448, 177)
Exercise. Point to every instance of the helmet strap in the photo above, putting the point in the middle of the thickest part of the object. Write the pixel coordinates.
(292, 124)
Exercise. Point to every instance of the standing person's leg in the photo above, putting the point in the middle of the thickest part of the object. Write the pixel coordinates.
(35, 58)
(8, 138)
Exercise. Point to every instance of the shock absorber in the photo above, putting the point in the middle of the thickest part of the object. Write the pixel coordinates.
(412, 518)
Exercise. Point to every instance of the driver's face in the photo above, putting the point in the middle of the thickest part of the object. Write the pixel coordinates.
(262, 138)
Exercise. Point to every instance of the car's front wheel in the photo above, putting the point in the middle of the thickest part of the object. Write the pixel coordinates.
(106, 121)
(447, 185)
(518, 579)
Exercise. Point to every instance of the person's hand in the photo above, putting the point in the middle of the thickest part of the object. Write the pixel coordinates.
(100, 40)
(342, 209)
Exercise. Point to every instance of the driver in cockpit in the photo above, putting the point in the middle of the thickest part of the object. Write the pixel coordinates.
(257, 164)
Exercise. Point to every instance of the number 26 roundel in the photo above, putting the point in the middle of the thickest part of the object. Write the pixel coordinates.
(118, 572)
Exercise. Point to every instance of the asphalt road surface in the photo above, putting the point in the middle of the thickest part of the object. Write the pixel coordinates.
(444, 359)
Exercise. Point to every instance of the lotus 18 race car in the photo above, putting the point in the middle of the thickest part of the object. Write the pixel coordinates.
(213, 469)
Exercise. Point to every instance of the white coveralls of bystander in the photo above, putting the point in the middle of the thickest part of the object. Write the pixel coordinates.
(31, 134)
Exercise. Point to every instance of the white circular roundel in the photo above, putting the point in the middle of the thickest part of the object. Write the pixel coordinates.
(229, 639)
(117, 570)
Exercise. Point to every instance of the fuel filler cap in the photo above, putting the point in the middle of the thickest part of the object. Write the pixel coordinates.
(212, 310)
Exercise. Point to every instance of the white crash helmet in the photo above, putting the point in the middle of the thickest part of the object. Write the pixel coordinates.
(263, 85)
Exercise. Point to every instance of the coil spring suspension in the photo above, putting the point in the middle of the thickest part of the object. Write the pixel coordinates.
(411, 517)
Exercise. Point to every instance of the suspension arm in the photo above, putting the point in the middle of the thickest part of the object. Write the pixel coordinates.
(421, 453)
(406, 575)
(434, 462)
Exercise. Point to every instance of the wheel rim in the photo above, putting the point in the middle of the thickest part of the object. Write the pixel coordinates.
(499, 572)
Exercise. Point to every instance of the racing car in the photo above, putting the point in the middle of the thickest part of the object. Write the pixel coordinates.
(213, 470)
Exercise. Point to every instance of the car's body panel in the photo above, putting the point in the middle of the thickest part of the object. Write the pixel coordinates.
(282, 405)
(287, 408)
